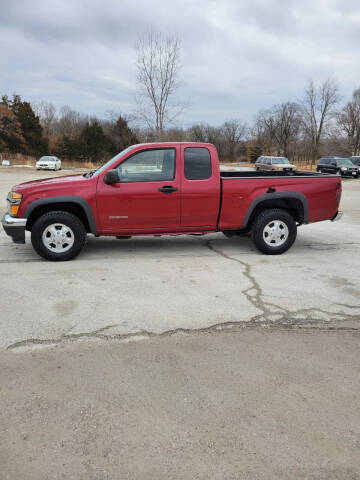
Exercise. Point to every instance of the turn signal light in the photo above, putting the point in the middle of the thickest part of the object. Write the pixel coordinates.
(14, 210)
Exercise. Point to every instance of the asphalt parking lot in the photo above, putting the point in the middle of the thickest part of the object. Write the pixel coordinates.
(182, 357)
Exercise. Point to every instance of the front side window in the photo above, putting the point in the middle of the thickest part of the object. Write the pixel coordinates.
(149, 166)
(197, 163)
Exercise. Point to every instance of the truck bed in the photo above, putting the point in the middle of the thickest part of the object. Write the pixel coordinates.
(318, 192)
(267, 174)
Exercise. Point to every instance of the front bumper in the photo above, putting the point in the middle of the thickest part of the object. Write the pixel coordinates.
(351, 173)
(14, 227)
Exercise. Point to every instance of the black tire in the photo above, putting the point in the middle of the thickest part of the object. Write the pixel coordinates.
(263, 220)
(66, 219)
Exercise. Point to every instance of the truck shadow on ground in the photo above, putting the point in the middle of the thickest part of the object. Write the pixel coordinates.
(185, 245)
(189, 245)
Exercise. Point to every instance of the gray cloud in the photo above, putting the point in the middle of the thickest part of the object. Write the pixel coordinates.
(237, 57)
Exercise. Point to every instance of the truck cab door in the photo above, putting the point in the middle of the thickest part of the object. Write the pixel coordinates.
(200, 188)
(147, 198)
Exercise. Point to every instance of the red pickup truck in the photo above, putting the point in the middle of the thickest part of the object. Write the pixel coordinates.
(169, 189)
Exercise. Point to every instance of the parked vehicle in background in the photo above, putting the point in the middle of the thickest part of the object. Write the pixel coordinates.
(48, 163)
(342, 166)
(168, 189)
(274, 163)
(356, 161)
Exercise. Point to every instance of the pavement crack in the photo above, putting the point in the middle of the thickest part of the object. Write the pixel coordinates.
(273, 313)
(34, 343)
(270, 316)
(254, 292)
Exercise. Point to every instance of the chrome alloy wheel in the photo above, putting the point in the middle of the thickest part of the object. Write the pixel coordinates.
(275, 233)
(58, 238)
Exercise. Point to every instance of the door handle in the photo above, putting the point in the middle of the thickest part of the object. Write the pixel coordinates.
(168, 189)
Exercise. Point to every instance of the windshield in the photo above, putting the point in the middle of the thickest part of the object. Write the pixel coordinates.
(117, 157)
(48, 159)
(345, 161)
(280, 160)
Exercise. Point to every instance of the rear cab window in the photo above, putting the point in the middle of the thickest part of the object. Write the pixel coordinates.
(197, 163)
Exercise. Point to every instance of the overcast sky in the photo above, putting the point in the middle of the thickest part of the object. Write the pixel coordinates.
(237, 56)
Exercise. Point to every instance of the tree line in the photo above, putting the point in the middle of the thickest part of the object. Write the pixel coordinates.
(315, 125)
(39, 129)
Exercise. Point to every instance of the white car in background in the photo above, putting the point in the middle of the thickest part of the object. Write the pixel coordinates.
(48, 163)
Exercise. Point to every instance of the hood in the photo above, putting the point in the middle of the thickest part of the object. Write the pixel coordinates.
(48, 182)
(284, 165)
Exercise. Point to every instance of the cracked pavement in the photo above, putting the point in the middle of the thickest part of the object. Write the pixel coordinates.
(147, 285)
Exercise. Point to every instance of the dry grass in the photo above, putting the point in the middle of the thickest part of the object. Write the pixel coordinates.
(20, 159)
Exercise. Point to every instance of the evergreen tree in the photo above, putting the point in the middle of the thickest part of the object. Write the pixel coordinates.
(35, 143)
(122, 134)
(68, 148)
(93, 141)
(11, 137)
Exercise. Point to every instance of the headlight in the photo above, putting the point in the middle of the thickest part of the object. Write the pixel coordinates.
(343, 168)
(14, 199)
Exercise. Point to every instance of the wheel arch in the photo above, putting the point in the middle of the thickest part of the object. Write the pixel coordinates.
(76, 205)
(294, 202)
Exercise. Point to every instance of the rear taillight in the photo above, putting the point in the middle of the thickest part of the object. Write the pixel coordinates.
(338, 190)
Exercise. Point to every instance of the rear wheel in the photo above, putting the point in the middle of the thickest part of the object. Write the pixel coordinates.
(58, 236)
(274, 231)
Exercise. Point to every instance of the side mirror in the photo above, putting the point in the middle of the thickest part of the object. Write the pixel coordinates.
(111, 177)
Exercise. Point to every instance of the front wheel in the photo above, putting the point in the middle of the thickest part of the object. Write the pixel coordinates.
(58, 236)
(274, 231)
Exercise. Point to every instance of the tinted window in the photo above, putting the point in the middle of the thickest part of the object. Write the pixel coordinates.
(149, 166)
(344, 161)
(197, 163)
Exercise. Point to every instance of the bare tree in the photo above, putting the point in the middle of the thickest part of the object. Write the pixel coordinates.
(157, 71)
(46, 111)
(280, 126)
(317, 108)
(233, 133)
(348, 121)
(70, 122)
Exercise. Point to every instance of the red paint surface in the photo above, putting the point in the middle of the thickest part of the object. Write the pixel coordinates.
(139, 208)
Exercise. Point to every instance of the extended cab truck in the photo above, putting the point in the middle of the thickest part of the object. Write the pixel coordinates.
(168, 188)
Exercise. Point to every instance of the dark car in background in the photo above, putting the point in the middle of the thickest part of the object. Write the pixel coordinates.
(356, 161)
(342, 166)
